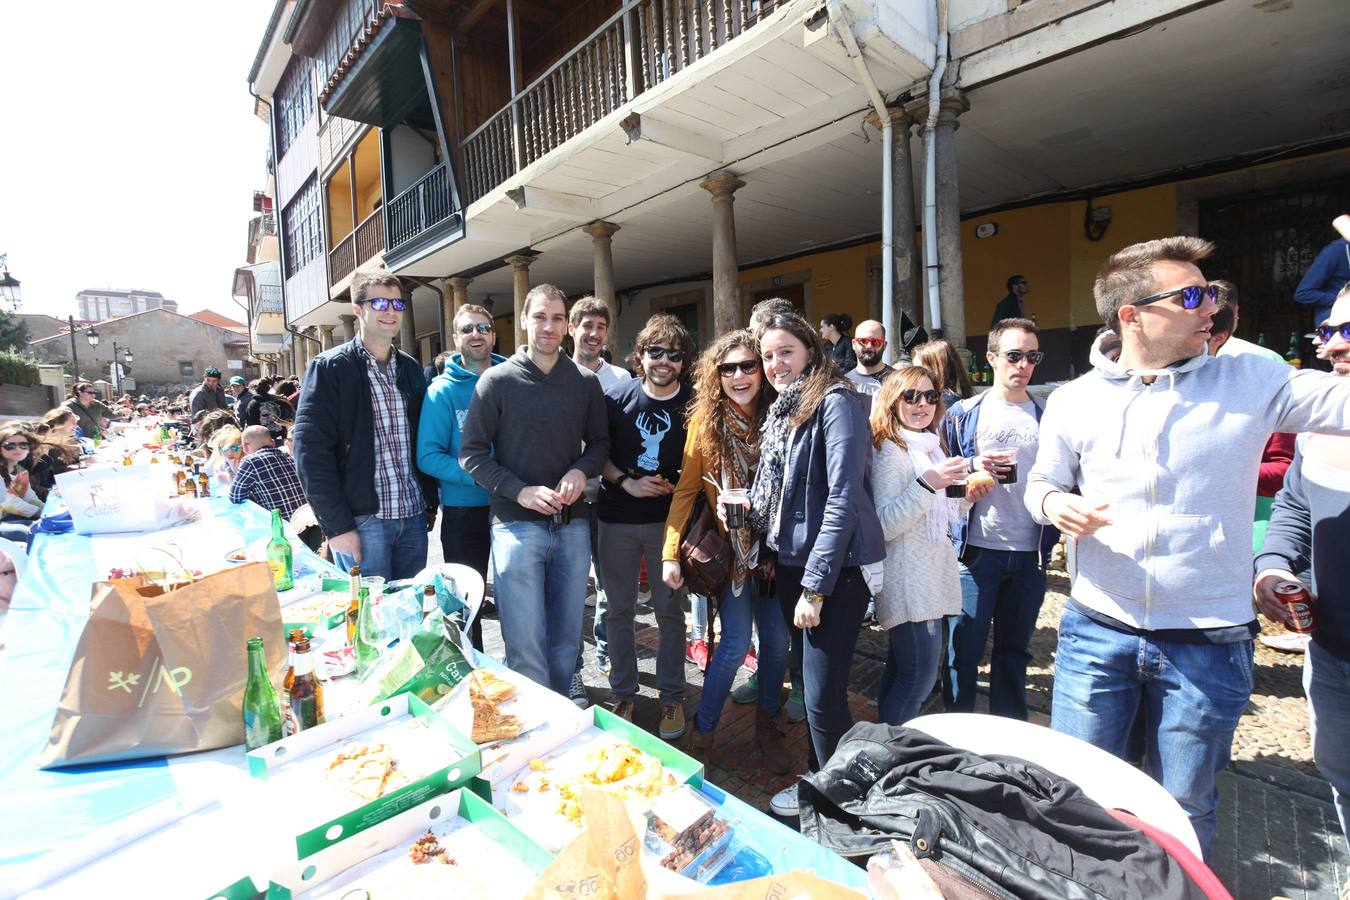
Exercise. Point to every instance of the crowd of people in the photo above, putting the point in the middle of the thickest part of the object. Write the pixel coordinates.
(846, 490)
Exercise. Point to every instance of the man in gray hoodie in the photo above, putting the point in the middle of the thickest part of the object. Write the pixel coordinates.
(536, 430)
(1162, 440)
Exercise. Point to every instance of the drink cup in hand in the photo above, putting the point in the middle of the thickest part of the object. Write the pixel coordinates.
(737, 504)
(1005, 464)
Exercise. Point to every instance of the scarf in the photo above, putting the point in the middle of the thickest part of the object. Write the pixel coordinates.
(739, 459)
(924, 452)
(768, 489)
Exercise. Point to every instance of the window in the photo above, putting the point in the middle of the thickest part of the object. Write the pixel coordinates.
(300, 226)
(294, 101)
(185, 368)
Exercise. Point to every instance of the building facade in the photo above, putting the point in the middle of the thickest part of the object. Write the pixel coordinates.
(96, 305)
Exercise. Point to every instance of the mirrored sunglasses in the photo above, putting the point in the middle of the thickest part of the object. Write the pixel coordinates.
(480, 327)
(870, 343)
(1327, 332)
(670, 353)
(1192, 296)
(380, 304)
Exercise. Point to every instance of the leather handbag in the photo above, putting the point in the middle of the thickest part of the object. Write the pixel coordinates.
(705, 553)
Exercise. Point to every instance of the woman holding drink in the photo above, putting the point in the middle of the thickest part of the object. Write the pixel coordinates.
(912, 472)
(725, 423)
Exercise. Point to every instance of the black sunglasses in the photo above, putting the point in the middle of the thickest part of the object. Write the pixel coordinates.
(912, 396)
(380, 304)
(670, 353)
(745, 367)
(1015, 356)
(1327, 332)
(9, 445)
(480, 327)
(1191, 296)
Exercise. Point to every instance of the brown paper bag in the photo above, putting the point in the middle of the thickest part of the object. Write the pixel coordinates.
(798, 885)
(159, 672)
(603, 863)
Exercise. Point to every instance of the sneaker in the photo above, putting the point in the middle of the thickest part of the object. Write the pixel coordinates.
(748, 692)
(624, 709)
(576, 691)
(784, 803)
(602, 663)
(672, 721)
(795, 707)
(751, 663)
(697, 653)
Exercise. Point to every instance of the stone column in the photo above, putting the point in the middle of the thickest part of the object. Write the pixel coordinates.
(407, 331)
(454, 294)
(424, 347)
(520, 282)
(906, 275)
(602, 238)
(951, 282)
(348, 327)
(726, 281)
(326, 337)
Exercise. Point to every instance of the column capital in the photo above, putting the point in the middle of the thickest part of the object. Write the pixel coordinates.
(326, 329)
(951, 104)
(902, 117)
(347, 317)
(600, 230)
(722, 184)
(459, 282)
(520, 262)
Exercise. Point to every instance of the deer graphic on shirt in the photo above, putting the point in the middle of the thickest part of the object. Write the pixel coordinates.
(649, 426)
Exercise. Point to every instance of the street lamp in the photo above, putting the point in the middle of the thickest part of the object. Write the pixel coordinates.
(9, 285)
(92, 336)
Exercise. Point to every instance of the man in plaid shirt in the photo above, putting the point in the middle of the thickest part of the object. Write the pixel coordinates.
(266, 475)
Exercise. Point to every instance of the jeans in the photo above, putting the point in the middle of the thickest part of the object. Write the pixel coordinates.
(698, 617)
(539, 577)
(466, 538)
(622, 549)
(911, 668)
(1326, 681)
(1192, 694)
(738, 611)
(1006, 587)
(601, 601)
(390, 548)
(827, 655)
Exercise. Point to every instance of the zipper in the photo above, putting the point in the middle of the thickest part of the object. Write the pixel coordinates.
(1150, 522)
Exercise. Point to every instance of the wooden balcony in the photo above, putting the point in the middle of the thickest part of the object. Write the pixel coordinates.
(642, 45)
(357, 248)
(420, 208)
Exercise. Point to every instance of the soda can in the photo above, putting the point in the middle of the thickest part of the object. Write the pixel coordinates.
(1302, 616)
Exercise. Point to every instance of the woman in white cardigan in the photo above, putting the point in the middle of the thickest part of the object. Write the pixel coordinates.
(910, 473)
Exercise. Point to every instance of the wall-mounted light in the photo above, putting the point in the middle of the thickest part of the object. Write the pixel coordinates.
(1096, 219)
(986, 230)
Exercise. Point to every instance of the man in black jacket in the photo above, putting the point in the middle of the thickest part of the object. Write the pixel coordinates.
(356, 440)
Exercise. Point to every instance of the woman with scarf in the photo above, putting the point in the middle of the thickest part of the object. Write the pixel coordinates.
(812, 500)
(911, 470)
(725, 420)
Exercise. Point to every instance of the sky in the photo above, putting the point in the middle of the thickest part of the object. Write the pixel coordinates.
(130, 151)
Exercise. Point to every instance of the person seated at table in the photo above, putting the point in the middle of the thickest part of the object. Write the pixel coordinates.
(92, 416)
(267, 476)
(59, 452)
(205, 428)
(20, 505)
(226, 452)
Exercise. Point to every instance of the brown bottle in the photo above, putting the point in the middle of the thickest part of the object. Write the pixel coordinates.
(203, 485)
(178, 481)
(354, 608)
(189, 485)
(306, 694)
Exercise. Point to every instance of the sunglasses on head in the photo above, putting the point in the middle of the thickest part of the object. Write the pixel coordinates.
(745, 367)
(912, 396)
(380, 304)
(1016, 356)
(672, 354)
(1192, 296)
(88, 392)
(480, 327)
(870, 343)
(13, 445)
(1327, 332)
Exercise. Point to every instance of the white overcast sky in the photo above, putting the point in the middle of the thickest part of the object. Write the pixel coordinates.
(129, 151)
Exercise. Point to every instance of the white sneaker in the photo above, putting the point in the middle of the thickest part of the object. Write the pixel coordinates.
(784, 803)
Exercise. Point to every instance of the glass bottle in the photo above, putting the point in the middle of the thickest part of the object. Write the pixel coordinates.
(1292, 354)
(371, 635)
(1260, 339)
(973, 370)
(354, 607)
(189, 484)
(279, 555)
(306, 693)
(262, 713)
(178, 481)
(294, 635)
(126, 459)
(203, 485)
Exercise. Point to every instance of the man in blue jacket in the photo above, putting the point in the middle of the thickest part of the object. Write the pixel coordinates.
(1329, 272)
(356, 440)
(466, 529)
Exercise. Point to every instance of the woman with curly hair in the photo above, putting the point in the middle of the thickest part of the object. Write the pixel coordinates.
(58, 451)
(722, 444)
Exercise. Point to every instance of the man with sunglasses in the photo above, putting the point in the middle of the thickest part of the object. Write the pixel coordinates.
(1002, 550)
(1163, 441)
(466, 528)
(869, 343)
(646, 449)
(356, 440)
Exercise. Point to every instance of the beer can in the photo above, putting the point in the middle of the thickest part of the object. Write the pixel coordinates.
(1302, 616)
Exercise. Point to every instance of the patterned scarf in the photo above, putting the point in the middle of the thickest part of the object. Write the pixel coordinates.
(740, 458)
(768, 490)
(925, 451)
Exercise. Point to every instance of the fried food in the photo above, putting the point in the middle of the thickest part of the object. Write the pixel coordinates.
(367, 771)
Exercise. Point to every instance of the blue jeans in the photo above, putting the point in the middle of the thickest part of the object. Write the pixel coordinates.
(539, 582)
(738, 611)
(1326, 681)
(911, 667)
(390, 548)
(1192, 697)
(1005, 587)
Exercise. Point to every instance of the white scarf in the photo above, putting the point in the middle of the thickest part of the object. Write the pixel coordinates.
(925, 452)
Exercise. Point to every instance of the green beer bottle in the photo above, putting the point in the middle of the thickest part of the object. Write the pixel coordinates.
(279, 555)
(262, 712)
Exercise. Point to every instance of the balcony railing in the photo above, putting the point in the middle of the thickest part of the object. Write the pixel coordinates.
(419, 207)
(356, 248)
(342, 259)
(351, 19)
(642, 45)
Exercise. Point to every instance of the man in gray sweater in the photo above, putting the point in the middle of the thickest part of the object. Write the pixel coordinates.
(1162, 440)
(536, 430)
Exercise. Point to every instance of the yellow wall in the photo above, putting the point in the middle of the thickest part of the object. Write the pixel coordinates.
(1031, 241)
(838, 281)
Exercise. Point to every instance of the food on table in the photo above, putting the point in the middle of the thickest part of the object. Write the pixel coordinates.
(368, 771)
(319, 608)
(486, 693)
(483, 683)
(619, 768)
(237, 556)
(428, 849)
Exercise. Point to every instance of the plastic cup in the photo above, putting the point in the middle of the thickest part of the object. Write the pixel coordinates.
(737, 503)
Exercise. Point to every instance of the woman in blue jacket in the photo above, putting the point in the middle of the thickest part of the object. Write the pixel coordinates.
(812, 499)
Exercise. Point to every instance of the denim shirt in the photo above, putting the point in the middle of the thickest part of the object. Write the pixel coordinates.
(827, 517)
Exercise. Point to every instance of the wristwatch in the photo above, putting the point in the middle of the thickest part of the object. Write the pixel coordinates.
(618, 482)
(812, 596)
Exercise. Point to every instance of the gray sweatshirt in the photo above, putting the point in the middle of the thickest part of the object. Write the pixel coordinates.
(1177, 462)
(526, 428)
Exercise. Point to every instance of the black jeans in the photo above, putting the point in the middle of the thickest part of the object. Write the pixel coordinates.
(826, 654)
(466, 538)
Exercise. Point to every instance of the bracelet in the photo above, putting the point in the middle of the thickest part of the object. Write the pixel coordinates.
(970, 465)
(618, 482)
(813, 596)
(925, 485)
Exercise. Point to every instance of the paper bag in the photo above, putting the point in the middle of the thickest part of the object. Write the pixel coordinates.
(158, 673)
(603, 862)
(123, 499)
(798, 885)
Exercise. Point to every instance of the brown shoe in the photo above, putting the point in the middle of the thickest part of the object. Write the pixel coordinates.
(624, 709)
(700, 744)
(769, 740)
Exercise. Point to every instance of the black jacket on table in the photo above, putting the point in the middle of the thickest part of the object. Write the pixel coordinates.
(335, 436)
